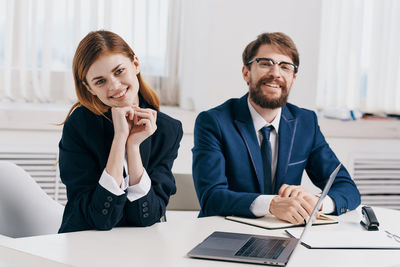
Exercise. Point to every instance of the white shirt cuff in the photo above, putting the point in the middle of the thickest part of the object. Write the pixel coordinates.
(110, 184)
(141, 189)
(260, 205)
(328, 205)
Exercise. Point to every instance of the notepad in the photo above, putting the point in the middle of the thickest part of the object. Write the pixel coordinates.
(357, 239)
(271, 222)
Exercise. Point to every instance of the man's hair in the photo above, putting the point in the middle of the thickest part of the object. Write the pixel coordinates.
(278, 40)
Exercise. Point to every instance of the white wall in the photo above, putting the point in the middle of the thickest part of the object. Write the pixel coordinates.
(215, 32)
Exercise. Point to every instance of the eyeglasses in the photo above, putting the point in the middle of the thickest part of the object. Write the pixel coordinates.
(395, 237)
(268, 63)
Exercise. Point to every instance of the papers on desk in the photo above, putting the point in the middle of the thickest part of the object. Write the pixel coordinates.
(271, 222)
(360, 239)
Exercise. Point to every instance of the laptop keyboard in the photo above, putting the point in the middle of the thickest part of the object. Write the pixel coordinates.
(262, 248)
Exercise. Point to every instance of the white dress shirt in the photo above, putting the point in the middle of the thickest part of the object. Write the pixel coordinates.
(261, 204)
(134, 192)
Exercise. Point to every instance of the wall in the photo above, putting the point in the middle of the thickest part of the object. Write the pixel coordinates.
(215, 32)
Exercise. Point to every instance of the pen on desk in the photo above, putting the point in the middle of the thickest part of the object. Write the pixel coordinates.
(395, 237)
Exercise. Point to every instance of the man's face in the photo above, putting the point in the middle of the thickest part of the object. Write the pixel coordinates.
(269, 87)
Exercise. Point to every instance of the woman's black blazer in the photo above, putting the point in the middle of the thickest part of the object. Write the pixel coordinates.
(83, 154)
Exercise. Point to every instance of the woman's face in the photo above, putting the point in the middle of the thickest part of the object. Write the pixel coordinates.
(112, 78)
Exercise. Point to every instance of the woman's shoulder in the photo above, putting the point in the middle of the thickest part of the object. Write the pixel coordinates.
(79, 113)
(82, 118)
(167, 123)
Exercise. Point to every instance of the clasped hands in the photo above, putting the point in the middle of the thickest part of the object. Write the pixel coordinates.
(133, 124)
(293, 204)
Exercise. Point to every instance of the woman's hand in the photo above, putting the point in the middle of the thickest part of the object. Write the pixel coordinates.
(143, 125)
(121, 117)
(122, 120)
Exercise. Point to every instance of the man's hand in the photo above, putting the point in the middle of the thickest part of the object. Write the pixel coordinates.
(298, 191)
(293, 204)
(291, 209)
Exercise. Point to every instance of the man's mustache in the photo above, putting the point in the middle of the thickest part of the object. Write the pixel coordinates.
(270, 80)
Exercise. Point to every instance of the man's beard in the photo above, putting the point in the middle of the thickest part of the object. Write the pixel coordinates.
(258, 97)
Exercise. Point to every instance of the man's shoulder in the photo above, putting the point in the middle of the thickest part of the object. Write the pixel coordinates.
(223, 110)
(297, 112)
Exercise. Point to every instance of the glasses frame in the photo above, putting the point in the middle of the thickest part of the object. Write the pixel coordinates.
(258, 59)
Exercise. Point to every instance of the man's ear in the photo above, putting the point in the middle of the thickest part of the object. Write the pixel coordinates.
(246, 74)
(88, 88)
(136, 64)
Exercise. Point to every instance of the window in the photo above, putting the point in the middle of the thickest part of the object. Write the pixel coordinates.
(359, 64)
(38, 40)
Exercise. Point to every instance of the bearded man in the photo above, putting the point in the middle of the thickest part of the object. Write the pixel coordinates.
(249, 153)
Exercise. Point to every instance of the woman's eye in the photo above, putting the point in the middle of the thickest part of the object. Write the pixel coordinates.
(119, 71)
(99, 82)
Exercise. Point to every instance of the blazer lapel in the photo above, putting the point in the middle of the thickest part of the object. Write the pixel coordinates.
(245, 126)
(287, 130)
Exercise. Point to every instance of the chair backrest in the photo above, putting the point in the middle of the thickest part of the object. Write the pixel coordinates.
(25, 209)
(185, 197)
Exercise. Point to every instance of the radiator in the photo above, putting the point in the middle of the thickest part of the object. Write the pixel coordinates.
(43, 168)
(377, 176)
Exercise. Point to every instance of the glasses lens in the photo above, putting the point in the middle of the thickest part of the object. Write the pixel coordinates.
(265, 62)
(286, 67)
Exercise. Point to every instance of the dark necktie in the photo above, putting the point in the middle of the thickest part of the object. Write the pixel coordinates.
(267, 159)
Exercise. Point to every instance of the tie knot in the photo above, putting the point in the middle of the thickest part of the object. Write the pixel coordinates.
(265, 131)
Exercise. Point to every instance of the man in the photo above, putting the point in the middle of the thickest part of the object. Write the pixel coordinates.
(243, 167)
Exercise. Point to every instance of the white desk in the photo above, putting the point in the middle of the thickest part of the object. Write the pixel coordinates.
(166, 244)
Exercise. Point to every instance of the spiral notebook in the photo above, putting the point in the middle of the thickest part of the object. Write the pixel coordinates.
(271, 222)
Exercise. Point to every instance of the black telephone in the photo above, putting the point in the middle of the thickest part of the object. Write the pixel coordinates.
(369, 222)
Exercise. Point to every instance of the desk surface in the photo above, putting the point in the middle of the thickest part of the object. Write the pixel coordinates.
(166, 244)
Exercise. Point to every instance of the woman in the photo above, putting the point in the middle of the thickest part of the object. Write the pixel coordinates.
(117, 149)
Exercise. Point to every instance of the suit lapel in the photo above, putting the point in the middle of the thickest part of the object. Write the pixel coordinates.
(245, 126)
(287, 130)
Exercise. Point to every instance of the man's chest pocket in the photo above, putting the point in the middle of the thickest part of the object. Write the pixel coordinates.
(295, 172)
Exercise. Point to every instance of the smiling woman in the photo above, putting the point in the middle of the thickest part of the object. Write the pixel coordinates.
(117, 149)
(112, 78)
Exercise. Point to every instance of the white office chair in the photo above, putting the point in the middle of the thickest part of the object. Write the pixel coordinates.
(185, 197)
(25, 209)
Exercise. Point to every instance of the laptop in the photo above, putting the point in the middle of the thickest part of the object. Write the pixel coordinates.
(261, 249)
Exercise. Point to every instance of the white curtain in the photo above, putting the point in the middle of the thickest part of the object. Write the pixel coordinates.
(38, 39)
(359, 60)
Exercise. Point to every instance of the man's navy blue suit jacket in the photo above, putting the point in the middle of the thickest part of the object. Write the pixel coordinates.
(84, 150)
(227, 163)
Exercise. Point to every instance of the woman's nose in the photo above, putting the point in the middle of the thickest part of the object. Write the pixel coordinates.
(114, 83)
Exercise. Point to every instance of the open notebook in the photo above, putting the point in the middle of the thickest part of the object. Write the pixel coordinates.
(355, 239)
(271, 222)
